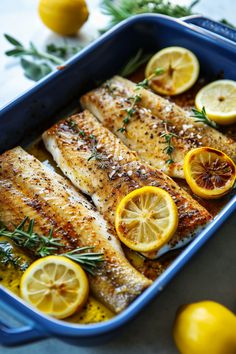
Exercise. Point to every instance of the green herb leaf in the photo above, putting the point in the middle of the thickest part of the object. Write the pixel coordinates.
(123, 9)
(7, 257)
(41, 246)
(17, 52)
(12, 40)
(25, 237)
(60, 51)
(169, 149)
(63, 51)
(227, 23)
(134, 63)
(201, 116)
(88, 260)
(35, 71)
(137, 97)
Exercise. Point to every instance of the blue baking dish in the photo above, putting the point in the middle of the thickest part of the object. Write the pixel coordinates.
(26, 117)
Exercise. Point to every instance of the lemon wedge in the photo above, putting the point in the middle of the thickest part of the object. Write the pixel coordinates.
(219, 100)
(55, 285)
(181, 70)
(210, 173)
(146, 219)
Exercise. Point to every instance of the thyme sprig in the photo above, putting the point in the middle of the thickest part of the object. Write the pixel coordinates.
(169, 149)
(201, 116)
(8, 258)
(96, 155)
(42, 246)
(144, 84)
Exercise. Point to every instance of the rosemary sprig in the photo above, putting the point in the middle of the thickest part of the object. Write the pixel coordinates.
(201, 116)
(25, 237)
(137, 97)
(123, 9)
(134, 63)
(42, 246)
(88, 260)
(8, 258)
(169, 149)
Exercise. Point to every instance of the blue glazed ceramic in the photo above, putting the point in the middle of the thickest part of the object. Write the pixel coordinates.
(29, 115)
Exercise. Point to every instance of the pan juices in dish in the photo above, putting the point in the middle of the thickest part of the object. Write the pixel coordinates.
(28, 188)
(153, 114)
(101, 166)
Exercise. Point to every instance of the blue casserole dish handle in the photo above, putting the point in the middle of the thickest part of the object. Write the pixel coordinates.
(212, 26)
(26, 332)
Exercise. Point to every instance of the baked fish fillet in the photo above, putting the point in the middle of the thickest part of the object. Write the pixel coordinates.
(153, 116)
(28, 188)
(101, 166)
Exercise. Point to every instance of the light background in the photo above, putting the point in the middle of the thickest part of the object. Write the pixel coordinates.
(211, 273)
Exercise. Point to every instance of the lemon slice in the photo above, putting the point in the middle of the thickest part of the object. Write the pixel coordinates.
(181, 70)
(146, 219)
(219, 100)
(55, 285)
(209, 172)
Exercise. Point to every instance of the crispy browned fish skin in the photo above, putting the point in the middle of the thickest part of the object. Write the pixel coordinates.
(28, 188)
(153, 115)
(114, 172)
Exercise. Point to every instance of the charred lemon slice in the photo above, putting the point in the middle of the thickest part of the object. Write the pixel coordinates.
(219, 100)
(146, 219)
(55, 285)
(209, 172)
(181, 70)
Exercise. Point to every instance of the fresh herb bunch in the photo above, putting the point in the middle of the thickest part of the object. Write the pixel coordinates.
(169, 149)
(42, 246)
(43, 61)
(123, 9)
(201, 116)
(137, 97)
(8, 258)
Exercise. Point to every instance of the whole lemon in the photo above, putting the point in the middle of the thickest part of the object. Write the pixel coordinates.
(64, 17)
(205, 328)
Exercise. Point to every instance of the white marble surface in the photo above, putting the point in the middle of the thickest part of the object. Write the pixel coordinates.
(20, 19)
(209, 275)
